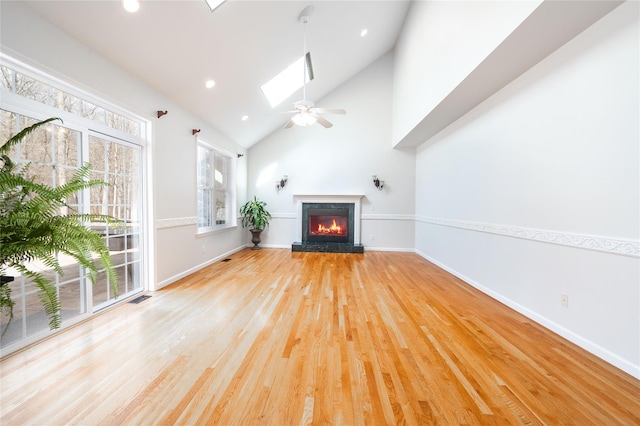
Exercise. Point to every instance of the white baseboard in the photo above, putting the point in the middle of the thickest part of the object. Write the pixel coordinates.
(604, 354)
(280, 246)
(196, 268)
(400, 250)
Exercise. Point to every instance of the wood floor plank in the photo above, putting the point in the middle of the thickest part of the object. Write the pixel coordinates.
(273, 337)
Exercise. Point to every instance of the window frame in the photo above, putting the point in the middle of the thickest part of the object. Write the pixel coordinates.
(230, 189)
(142, 137)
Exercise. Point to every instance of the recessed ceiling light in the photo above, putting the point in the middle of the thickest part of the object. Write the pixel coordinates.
(210, 84)
(364, 32)
(245, 118)
(131, 6)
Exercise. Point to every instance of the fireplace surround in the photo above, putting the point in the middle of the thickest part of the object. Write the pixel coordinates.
(328, 223)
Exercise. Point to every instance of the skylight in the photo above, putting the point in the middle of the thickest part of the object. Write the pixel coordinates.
(288, 81)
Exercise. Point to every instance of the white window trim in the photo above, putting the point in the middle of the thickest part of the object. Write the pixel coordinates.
(233, 217)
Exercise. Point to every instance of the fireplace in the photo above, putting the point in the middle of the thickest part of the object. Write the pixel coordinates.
(327, 224)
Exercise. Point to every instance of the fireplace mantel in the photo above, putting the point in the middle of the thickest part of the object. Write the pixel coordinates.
(324, 198)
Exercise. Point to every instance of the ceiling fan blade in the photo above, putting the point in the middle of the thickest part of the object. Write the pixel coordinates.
(282, 112)
(329, 111)
(322, 121)
(289, 124)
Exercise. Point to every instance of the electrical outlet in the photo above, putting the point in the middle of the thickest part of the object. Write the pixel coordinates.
(371, 237)
(203, 249)
(564, 300)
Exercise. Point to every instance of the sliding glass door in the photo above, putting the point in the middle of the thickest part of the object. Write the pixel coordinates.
(118, 164)
(53, 154)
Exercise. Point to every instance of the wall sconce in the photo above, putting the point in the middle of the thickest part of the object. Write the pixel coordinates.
(280, 184)
(378, 183)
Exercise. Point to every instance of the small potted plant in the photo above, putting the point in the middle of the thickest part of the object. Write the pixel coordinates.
(256, 218)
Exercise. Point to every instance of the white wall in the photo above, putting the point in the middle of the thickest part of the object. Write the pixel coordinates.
(341, 160)
(441, 44)
(27, 37)
(511, 196)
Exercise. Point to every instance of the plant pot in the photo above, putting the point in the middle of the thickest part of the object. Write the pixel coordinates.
(255, 238)
(5, 280)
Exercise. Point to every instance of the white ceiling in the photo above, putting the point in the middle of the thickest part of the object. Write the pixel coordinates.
(175, 46)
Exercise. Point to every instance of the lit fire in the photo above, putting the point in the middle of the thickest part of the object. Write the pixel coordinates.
(333, 229)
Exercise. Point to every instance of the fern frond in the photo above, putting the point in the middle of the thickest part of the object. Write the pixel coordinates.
(24, 133)
(48, 295)
(6, 306)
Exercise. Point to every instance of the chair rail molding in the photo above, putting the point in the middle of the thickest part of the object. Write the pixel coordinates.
(378, 216)
(590, 242)
(176, 221)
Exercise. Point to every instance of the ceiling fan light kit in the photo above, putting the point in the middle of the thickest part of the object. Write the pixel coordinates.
(306, 113)
(303, 119)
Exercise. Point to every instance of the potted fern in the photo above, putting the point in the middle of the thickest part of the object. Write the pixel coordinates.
(255, 217)
(32, 228)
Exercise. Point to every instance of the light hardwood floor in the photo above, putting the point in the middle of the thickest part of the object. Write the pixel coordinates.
(279, 338)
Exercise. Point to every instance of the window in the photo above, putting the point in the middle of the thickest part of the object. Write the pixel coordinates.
(31, 84)
(288, 81)
(216, 189)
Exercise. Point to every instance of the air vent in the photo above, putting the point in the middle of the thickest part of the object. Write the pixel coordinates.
(140, 299)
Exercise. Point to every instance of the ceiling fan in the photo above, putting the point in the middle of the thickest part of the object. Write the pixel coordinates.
(305, 111)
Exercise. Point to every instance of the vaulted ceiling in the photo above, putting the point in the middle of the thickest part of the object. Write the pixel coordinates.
(176, 46)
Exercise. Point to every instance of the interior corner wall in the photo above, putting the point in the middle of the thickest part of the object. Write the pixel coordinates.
(29, 38)
(341, 160)
(535, 193)
(441, 43)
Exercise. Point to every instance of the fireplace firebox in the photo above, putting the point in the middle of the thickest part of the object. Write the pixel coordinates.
(331, 225)
(328, 227)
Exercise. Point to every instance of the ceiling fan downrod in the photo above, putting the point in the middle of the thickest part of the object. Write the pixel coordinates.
(304, 18)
